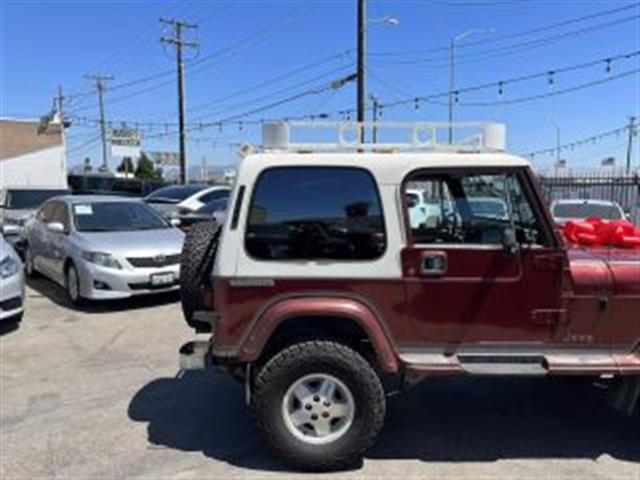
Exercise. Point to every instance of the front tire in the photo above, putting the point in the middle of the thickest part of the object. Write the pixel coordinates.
(319, 404)
(73, 285)
(29, 268)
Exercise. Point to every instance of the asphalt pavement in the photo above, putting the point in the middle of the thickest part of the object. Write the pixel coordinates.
(96, 393)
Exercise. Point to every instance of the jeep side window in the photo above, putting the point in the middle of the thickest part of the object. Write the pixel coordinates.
(315, 213)
(472, 209)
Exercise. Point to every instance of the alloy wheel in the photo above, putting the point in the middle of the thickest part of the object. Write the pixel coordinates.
(318, 409)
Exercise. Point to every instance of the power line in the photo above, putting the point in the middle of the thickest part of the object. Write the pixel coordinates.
(500, 38)
(551, 74)
(593, 139)
(506, 50)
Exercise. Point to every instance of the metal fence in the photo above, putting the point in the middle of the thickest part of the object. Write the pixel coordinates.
(621, 188)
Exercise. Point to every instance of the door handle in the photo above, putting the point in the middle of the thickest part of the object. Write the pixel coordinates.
(433, 263)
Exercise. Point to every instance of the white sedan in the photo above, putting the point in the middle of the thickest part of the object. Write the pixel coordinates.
(581, 209)
(11, 283)
(203, 197)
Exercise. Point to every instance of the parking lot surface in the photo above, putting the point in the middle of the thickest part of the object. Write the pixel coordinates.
(97, 394)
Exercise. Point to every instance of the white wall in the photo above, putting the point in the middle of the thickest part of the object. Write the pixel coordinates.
(44, 168)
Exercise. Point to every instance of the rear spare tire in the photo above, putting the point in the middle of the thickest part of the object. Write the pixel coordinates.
(198, 251)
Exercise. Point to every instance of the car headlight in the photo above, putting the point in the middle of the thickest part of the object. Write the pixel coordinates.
(9, 266)
(102, 259)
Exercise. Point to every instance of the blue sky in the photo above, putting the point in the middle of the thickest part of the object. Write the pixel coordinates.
(255, 53)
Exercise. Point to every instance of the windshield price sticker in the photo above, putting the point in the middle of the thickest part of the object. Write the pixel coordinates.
(83, 209)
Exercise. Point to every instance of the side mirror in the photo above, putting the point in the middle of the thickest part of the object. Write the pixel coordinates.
(175, 222)
(509, 241)
(10, 229)
(55, 227)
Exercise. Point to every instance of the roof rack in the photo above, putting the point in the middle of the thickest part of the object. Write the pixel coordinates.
(416, 136)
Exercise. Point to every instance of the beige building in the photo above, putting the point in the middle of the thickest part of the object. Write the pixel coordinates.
(32, 154)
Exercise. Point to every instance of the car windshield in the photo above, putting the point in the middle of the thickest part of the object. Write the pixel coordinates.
(214, 206)
(116, 216)
(586, 210)
(488, 208)
(173, 193)
(30, 199)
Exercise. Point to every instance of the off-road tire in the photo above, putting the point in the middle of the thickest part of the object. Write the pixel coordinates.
(313, 357)
(198, 251)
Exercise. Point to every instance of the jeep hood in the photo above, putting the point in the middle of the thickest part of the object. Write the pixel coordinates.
(605, 271)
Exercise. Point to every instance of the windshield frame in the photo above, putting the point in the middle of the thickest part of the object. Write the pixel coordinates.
(165, 223)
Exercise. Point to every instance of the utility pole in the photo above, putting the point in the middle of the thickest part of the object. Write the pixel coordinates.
(376, 107)
(632, 121)
(59, 102)
(177, 41)
(100, 87)
(361, 54)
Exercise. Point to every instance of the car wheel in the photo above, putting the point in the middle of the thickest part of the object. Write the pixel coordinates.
(320, 405)
(29, 267)
(198, 252)
(73, 285)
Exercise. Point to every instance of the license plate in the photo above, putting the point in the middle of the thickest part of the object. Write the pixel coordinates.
(159, 279)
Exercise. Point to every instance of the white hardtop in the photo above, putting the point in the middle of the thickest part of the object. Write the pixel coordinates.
(343, 144)
(388, 168)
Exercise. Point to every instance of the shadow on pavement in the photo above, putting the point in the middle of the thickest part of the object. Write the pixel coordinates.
(57, 295)
(445, 420)
(8, 326)
(206, 412)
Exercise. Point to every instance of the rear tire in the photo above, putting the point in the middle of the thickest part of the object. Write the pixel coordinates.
(295, 430)
(198, 251)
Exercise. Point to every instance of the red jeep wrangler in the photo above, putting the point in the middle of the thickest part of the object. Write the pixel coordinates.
(344, 261)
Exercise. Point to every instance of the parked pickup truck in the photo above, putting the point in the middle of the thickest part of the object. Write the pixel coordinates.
(318, 284)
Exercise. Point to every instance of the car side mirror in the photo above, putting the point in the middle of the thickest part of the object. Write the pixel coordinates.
(55, 227)
(8, 230)
(175, 222)
(509, 241)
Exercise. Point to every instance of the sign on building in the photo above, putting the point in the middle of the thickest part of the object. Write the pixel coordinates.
(125, 142)
(164, 159)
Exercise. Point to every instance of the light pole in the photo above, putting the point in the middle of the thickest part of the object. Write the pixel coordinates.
(452, 61)
(558, 132)
(361, 51)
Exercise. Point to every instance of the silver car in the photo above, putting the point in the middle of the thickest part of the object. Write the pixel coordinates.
(101, 248)
(11, 283)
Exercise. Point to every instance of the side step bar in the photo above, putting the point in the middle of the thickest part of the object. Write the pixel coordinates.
(503, 364)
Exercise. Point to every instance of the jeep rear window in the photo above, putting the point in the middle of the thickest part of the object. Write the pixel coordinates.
(315, 213)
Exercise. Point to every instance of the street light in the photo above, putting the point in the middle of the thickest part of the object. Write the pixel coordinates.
(452, 51)
(361, 40)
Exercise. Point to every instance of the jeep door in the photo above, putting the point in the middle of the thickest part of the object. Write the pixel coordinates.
(486, 268)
